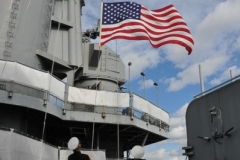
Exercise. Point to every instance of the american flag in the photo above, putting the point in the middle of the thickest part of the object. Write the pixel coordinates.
(132, 21)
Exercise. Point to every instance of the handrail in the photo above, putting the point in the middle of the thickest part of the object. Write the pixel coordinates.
(58, 99)
(34, 88)
(216, 87)
(151, 103)
(55, 96)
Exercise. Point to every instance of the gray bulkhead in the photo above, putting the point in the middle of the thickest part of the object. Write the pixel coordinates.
(35, 33)
(213, 125)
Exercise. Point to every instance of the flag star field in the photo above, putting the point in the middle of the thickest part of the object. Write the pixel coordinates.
(117, 12)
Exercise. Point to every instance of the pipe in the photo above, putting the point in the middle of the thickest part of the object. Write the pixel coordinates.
(201, 79)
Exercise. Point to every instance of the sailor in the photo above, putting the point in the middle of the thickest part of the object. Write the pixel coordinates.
(75, 145)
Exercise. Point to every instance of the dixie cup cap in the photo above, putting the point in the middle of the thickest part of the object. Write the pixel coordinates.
(73, 143)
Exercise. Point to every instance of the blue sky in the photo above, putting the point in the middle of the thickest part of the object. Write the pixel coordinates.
(215, 27)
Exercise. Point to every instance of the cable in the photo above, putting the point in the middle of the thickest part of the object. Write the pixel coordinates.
(51, 73)
(95, 102)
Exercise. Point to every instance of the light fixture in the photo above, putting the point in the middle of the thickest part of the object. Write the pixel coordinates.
(129, 64)
(63, 111)
(103, 115)
(44, 102)
(143, 74)
(155, 84)
(10, 94)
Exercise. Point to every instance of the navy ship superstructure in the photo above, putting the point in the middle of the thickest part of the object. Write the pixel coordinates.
(212, 121)
(55, 84)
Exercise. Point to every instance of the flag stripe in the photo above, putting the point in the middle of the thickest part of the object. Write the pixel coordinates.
(173, 40)
(167, 20)
(158, 24)
(133, 24)
(163, 15)
(151, 33)
(151, 37)
(161, 26)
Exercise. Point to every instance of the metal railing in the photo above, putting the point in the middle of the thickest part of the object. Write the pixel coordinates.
(13, 87)
(123, 111)
(151, 102)
(217, 86)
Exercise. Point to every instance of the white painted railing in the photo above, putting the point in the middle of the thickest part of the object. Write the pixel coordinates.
(15, 72)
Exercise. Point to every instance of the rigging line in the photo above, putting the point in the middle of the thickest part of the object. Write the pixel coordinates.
(10, 5)
(118, 110)
(29, 3)
(95, 102)
(117, 103)
(50, 79)
(3, 69)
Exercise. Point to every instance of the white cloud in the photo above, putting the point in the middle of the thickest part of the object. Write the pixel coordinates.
(182, 111)
(176, 121)
(142, 58)
(226, 75)
(211, 48)
(177, 155)
(177, 137)
(162, 153)
(190, 75)
(178, 132)
(159, 154)
(177, 158)
(148, 84)
(178, 126)
(219, 21)
(178, 118)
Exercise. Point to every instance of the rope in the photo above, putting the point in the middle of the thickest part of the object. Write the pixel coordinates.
(95, 102)
(118, 120)
(51, 73)
(3, 68)
(117, 101)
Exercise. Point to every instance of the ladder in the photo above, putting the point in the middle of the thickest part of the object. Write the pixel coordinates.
(11, 24)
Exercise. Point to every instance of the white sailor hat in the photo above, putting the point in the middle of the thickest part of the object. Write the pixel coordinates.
(73, 143)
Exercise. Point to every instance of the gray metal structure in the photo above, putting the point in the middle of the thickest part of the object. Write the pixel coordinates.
(46, 35)
(212, 122)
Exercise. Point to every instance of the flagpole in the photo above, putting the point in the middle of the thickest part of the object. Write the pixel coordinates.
(100, 25)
